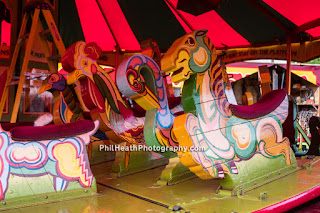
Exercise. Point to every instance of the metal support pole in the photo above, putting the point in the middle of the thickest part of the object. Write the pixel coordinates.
(288, 71)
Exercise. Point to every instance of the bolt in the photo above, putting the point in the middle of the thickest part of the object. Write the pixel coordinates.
(4, 203)
(86, 190)
(46, 197)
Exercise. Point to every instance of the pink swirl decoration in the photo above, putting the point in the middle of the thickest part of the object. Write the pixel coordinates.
(136, 85)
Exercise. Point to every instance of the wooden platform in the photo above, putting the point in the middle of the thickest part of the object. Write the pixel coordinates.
(139, 193)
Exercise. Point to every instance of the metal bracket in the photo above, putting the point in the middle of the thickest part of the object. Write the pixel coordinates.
(308, 166)
(262, 180)
(263, 195)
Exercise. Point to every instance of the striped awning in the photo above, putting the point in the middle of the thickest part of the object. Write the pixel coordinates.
(124, 24)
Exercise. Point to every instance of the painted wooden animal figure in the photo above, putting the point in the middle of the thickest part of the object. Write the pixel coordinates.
(58, 151)
(99, 94)
(224, 134)
(140, 78)
(66, 107)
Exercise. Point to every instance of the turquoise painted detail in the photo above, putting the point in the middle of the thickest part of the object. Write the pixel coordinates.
(248, 150)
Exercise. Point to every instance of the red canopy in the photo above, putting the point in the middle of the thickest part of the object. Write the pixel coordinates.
(235, 23)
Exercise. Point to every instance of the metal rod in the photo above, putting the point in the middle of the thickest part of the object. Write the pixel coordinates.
(14, 59)
(135, 195)
(306, 26)
(303, 133)
(288, 70)
(24, 68)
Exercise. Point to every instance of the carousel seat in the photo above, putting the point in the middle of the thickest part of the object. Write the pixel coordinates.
(268, 103)
(50, 132)
(6, 126)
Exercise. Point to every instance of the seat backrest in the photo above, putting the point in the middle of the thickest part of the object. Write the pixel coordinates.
(50, 132)
(6, 126)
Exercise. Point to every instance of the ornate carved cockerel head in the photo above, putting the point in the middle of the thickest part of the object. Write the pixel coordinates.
(81, 60)
(188, 55)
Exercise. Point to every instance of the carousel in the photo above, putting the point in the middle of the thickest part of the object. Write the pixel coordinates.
(128, 106)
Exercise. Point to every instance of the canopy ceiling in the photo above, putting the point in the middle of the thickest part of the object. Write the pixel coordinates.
(127, 23)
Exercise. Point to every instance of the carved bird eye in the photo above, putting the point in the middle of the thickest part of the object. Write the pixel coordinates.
(190, 41)
(53, 78)
(85, 63)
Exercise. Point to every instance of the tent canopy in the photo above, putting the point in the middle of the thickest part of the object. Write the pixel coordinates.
(124, 24)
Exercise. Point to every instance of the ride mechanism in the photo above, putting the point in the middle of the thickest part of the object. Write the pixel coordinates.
(241, 146)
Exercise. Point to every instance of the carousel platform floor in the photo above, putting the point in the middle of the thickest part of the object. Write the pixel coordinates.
(139, 193)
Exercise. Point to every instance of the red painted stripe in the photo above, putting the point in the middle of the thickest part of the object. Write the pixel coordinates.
(298, 12)
(219, 31)
(293, 201)
(94, 27)
(119, 25)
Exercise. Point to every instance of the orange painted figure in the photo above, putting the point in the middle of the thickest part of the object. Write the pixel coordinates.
(217, 133)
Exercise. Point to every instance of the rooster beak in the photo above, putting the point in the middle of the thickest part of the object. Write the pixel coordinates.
(44, 88)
